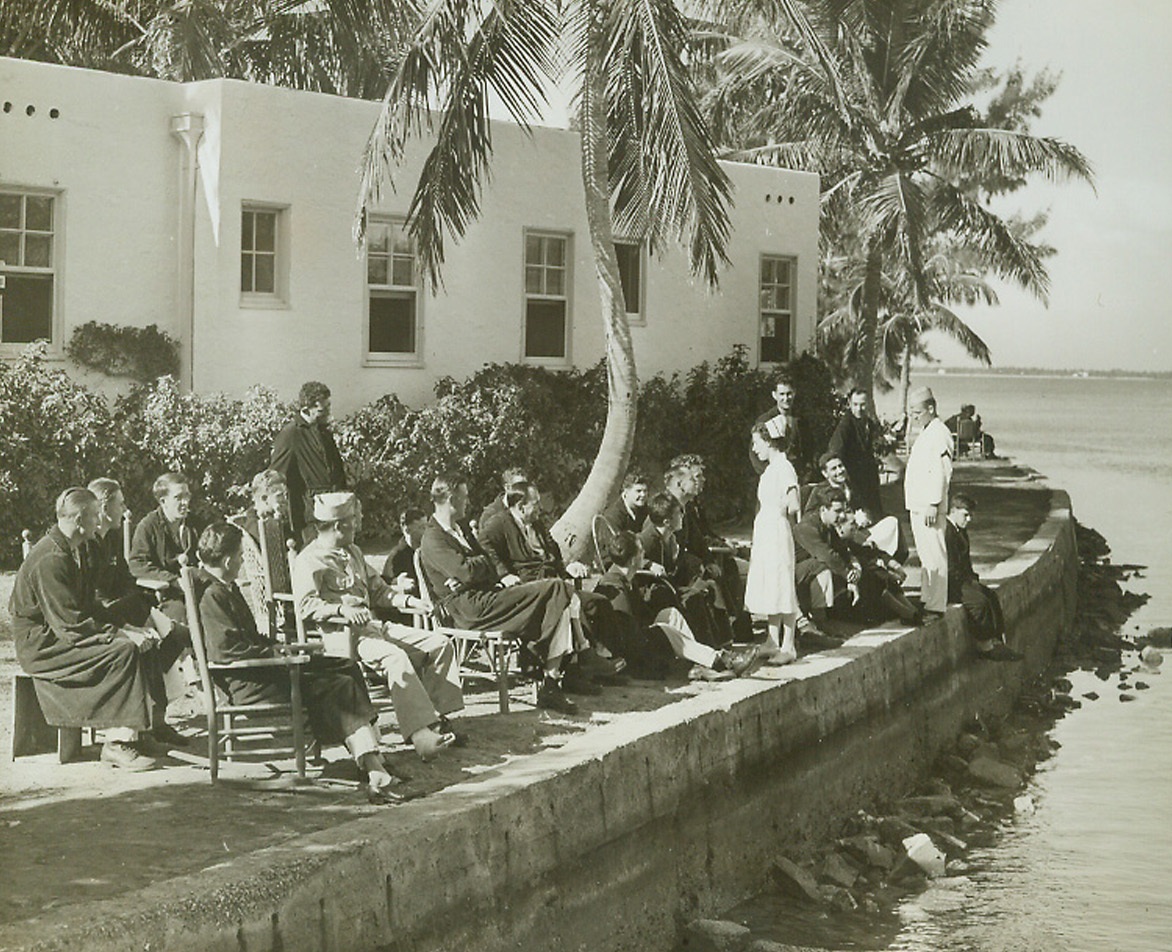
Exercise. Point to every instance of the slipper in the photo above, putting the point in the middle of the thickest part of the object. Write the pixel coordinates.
(383, 796)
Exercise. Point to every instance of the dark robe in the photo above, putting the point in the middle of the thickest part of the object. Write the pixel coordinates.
(981, 604)
(621, 519)
(332, 689)
(307, 456)
(114, 586)
(463, 581)
(85, 673)
(853, 442)
(491, 511)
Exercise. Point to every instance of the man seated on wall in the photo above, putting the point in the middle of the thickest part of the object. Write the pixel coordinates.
(509, 478)
(519, 544)
(89, 671)
(464, 582)
(684, 479)
(651, 638)
(828, 565)
(694, 594)
(334, 587)
(981, 605)
(333, 690)
(628, 512)
(165, 540)
(867, 527)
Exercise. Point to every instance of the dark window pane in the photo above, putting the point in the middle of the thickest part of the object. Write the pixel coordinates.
(401, 272)
(392, 324)
(266, 231)
(266, 279)
(533, 280)
(38, 213)
(555, 251)
(376, 269)
(10, 247)
(630, 274)
(532, 250)
(378, 236)
(9, 211)
(27, 308)
(545, 329)
(246, 223)
(245, 272)
(775, 349)
(38, 251)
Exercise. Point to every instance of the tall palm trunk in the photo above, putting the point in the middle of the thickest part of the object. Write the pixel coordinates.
(572, 530)
(869, 319)
(905, 377)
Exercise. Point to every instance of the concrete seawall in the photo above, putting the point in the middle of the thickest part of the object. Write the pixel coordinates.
(609, 841)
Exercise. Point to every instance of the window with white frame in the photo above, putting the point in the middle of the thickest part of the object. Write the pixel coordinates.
(630, 259)
(392, 294)
(547, 303)
(28, 262)
(776, 308)
(264, 265)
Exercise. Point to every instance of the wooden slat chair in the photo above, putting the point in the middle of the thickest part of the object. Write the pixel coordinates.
(601, 532)
(479, 653)
(266, 583)
(342, 643)
(252, 730)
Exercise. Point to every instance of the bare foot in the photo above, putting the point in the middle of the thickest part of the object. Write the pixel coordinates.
(429, 742)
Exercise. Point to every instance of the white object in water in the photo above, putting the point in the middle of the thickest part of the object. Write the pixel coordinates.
(923, 852)
(1024, 804)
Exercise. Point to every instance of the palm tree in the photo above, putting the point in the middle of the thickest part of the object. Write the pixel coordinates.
(647, 158)
(872, 95)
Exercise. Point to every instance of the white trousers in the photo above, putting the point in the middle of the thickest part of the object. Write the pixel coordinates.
(675, 627)
(933, 555)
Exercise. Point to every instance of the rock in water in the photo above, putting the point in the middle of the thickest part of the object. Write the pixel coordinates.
(1024, 804)
(1152, 657)
(923, 852)
(1160, 637)
(837, 870)
(993, 773)
(794, 880)
(715, 935)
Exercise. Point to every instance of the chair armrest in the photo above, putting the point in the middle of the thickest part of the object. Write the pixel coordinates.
(291, 649)
(282, 597)
(259, 663)
(154, 584)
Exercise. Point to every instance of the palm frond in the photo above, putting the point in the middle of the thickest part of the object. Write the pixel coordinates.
(1009, 154)
(941, 318)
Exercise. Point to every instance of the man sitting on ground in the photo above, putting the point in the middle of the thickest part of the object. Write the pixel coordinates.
(88, 671)
(165, 540)
(981, 605)
(628, 512)
(652, 637)
(333, 691)
(333, 586)
(464, 582)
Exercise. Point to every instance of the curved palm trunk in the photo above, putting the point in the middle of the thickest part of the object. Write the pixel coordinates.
(905, 377)
(865, 369)
(572, 530)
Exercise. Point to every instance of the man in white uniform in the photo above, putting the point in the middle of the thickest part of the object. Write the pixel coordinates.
(925, 491)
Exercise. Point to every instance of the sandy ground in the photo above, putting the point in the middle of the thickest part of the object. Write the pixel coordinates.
(82, 831)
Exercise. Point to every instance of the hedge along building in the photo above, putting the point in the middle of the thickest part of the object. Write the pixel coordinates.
(222, 211)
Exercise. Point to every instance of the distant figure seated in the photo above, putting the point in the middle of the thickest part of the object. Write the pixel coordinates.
(883, 532)
(399, 567)
(651, 637)
(464, 580)
(333, 691)
(89, 669)
(333, 586)
(165, 540)
(270, 501)
(629, 511)
(981, 605)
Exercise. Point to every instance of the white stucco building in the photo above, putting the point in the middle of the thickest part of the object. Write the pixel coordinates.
(222, 212)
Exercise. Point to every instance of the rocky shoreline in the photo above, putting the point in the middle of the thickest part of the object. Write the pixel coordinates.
(883, 856)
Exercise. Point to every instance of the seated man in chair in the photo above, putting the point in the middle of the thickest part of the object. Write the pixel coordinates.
(89, 670)
(113, 584)
(165, 540)
(334, 693)
(629, 511)
(464, 581)
(334, 587)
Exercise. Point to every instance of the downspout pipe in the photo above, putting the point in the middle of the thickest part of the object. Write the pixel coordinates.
(188, 129)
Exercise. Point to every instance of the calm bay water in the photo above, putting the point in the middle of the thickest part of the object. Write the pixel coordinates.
(1090, 870)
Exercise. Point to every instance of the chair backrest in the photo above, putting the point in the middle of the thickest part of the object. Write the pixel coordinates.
(127, 528)
(298, 621)
(195, 624)
(26, 542)
(601, 532)
(967, 429)
(273, 547)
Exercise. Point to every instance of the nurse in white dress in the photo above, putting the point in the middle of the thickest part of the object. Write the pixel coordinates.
(770, 588)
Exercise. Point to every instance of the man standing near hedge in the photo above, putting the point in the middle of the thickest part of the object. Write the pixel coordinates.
(306, 454)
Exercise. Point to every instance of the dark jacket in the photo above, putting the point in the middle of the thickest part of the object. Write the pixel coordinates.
(400, 561)
(960, 562)
(853, 441)
(813, 539)
(308, 457)
(157, 545)
(450, 567)
(512, 554)
(621, 519)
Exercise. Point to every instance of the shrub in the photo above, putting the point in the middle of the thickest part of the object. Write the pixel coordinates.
(141, 353)
(54, 433)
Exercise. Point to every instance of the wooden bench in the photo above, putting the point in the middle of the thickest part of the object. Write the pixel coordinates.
(31, 733)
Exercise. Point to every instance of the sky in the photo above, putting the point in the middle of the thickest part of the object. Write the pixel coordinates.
(1111, 294)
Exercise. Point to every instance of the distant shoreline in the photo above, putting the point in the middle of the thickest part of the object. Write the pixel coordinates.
(1042, 372)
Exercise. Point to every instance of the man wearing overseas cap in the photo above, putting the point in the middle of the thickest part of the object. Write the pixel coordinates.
(334, 587)
(925, 489)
